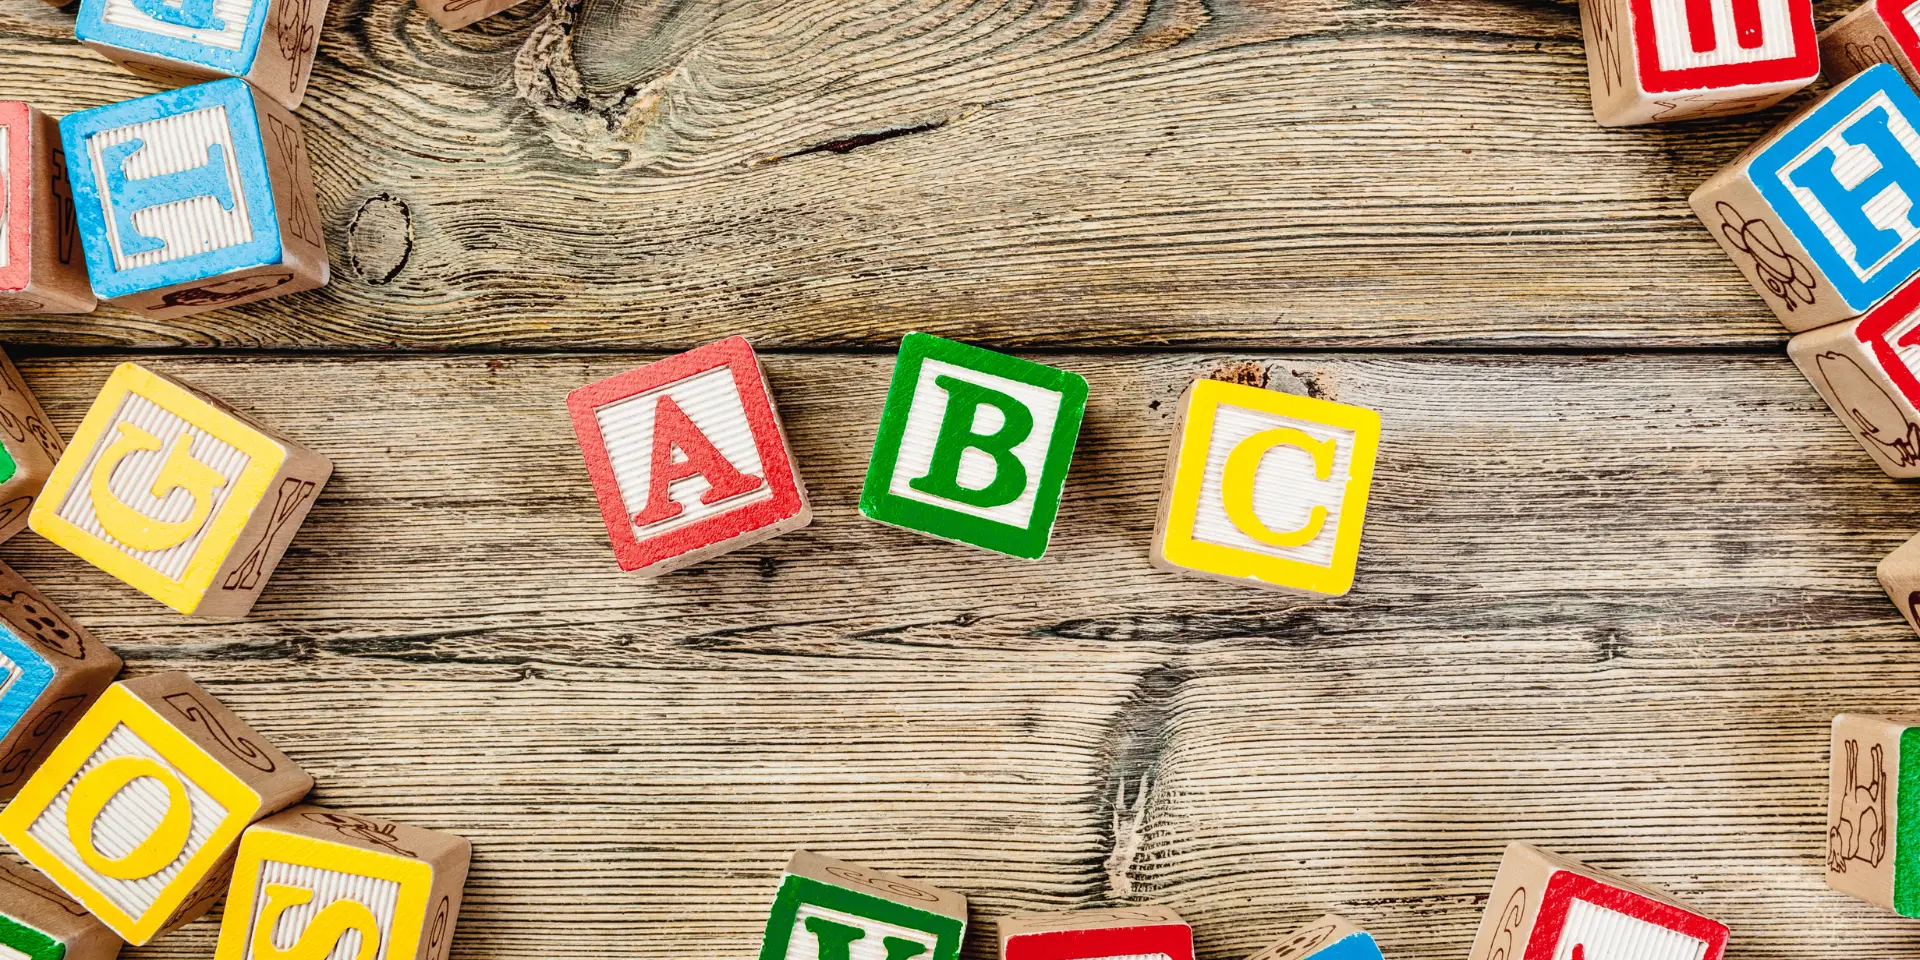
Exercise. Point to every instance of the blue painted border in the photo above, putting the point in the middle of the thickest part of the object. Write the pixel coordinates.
(90, 26)
(35, 675)
(249, 158)
(1765, 173)
(1353, 946)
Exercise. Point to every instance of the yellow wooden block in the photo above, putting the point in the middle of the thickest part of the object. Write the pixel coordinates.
(1266, 488)
(135, 812)
(313, 883)
(178, 494)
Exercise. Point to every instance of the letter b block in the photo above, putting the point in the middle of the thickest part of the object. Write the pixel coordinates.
(135, 813)
(1656, 60)
(194, 199)
(1127, 933)
(830, 910)
(179, 494)
(1547, 906)
(41, 270)
(312, 883)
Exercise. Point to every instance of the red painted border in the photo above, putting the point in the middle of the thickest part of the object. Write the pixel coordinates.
(1804, 64)
(1892, 13)
(776, 461)
(1872, 331)
(17, 117)
(1173, 939)
(1567, 886)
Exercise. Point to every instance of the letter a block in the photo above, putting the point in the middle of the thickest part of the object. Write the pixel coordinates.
(1547, 906)
(1878, 31)
(178, 494)
(1266, 488)
(51, 670)
(41, 269)
(829, 910)
(1133, 933)
(29, 447)
(974, 446)
(1331, 937)
(1819, 214)
(688, 458)
(268, 42)
(1873, 816)
(194, 199)
(135, 813)
(1655, 60)
(312, 883)
(37, 922)
(1868, 371)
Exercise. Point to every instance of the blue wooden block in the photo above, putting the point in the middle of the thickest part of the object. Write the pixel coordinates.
(194, 199)
(268, 42)
(1331, 937)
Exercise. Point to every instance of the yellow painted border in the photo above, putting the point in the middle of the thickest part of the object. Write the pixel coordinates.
(115, 707)
(1180, 548)
(261, 844)
(264, 458)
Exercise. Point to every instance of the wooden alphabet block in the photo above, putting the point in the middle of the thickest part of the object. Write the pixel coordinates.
(1899, 575)
(688, 458)
(1547, 907)
(974, 446)
(1817, 213)
(830, 910)
(1873, 812)
(317, 883)
(269, 43)
(1868, 371)
(1266, 488)
(1331, 937)
(194, 199)
(1657, 60)
(137, 812)
(454, 14)
(1878, 31)
(51, 671)
(181, 496)
(38, 922)
(41, 268)
(29, 447)
(1125, 933)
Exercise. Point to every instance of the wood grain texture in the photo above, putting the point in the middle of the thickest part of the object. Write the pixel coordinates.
(1606, 604)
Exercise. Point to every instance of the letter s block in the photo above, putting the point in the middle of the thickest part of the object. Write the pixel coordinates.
(38, 922)
(178, 494)
(1126, 933)
(41, 267)
(1266, 488)
(194, 199)
(1331, 937)
(1658, 60)
(974, 446)
(312, 883)
(830, 910)
(51, 670)
(1823, 214)
(136, 813)
(1544, 905)
(268, 42)
(688, 458)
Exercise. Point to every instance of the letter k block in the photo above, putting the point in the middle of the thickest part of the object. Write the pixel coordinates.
(974, 446)
(830, 910)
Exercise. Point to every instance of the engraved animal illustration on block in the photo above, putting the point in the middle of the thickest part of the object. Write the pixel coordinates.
(1899, 575)
(268, 43)
(1125, 933)
(1859, 830)
(1873, 813)
(1547, 907)
(38, 270)
(832, 910)
(1658, 60)
(1868, 370)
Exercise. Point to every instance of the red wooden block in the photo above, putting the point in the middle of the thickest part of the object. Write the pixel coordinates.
(1656, 60)
(1137, 933)
(42, 268)
(688, 458)
(1547, 907)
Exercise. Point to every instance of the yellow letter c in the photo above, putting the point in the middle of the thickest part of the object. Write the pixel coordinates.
(98, 786)
(1236, 484)
(181, 470)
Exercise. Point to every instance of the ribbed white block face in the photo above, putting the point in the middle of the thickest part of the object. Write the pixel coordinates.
(1286, 486)
(1853, 164)
(187, 227)
(804, 944)
(1597, 933)
(233, 15)
(381, 898)
(1719, 42)
(978, 468)
(712, 401)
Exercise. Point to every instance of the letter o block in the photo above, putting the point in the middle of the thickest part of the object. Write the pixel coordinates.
(1545, 906)
(312, 883)
(135, 813)
(178, 494)
(38, 922)
(1127, 933)
(1331, 937)
(831, 910)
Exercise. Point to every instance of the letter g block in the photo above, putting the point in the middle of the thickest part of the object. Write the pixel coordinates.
(178, 494)
(135, 813)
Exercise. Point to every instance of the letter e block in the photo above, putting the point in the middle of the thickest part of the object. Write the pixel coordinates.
(317, 883)
(1820, 213)
(194, 199)
(137, 812)
(1544, 905)
(1873, 812)
(178, 494)
(829, 910)
(1868, 371)
(29, 447)
(688, 458)
(41, 266)
(1127, 933)
(38, 922)
(974, 446)
(268, 42)
(1878, 31)
(51, 671)
(1266, 488)
(1331, 937)
(1656, 60)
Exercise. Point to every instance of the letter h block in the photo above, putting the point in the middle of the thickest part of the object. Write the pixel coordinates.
(688, 458)
(312, 883)
(1545, 906)
(1331, 937)
(181, 496)
(137, 812)
(269, 43)
(1657, 60)
(1822, 213)
(1873, 815)
(38, 922)
(974, 446)
(194, 199)
(51, 671)
(830, 910)
(1134, 933)
(41, 270)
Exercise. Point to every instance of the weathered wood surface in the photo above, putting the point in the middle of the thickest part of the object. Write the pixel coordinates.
(641, 174)
(1608, 605)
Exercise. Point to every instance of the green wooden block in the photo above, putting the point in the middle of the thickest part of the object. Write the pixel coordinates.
(974, 446)
(831, 910)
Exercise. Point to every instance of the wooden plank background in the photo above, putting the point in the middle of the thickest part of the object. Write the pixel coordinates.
(1616, 581)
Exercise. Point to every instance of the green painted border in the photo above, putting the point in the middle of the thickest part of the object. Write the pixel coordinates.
(1027, 543)
(796, 890)
(1906, 837)
(27, 940)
